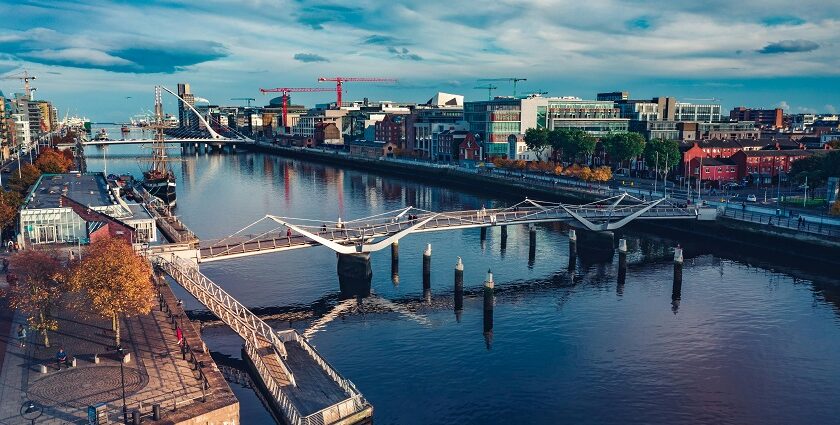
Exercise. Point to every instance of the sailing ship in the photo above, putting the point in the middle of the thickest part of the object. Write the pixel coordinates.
(159, 179)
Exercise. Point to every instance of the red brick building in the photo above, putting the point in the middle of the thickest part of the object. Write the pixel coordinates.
(469, 149)
(765, 165)
(716, 149)
(765, 118)
(713, 169)
(391, 130)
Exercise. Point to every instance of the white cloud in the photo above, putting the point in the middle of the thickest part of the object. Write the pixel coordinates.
(784, 105)
(79, 56)
(831, 109)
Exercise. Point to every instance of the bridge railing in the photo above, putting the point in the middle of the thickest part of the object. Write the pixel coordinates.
(355, 403)
(289, 409)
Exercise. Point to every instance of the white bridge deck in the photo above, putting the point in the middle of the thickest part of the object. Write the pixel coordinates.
(377, 232)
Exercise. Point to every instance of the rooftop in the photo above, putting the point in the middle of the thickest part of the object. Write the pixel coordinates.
(87, 189)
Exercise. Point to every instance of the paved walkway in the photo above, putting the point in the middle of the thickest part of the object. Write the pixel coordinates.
(157, 373)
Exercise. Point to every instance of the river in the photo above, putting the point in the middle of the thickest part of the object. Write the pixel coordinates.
(743, 343)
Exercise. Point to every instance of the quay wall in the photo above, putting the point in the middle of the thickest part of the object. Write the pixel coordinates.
(797, 246)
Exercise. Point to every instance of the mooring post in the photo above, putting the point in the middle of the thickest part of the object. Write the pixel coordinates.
(622, 264)
(427, 268)
(572, 249)
(678, 264)
(532, 244)
(395, 262)
(504, 233)
(483, 234)
(459, 289)
(488, 308)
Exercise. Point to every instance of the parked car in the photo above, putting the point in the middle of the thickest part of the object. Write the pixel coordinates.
(751, 198)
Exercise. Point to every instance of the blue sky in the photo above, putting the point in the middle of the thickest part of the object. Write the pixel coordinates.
(102, 58)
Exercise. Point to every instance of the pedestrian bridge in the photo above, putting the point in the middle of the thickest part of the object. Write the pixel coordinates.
(370, 234)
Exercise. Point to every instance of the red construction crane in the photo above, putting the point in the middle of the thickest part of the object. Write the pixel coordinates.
(286, 91)
(340, 80)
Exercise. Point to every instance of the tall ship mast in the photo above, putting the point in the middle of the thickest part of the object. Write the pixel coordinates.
(159, 180)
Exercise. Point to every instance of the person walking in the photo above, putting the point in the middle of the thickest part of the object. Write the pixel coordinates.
(179, 334)
(289, 235)
(21, 335)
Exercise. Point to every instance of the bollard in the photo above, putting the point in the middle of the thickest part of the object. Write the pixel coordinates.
(622, 246)
(395, 252)
(127, 358)
(43, 368)
(96, 359)
(427, 267)
(488, 310)
(459, 288)
(483, 233)
(678, 265)
(73, 362)
(488, 302)
(572, 243)
(135, 417)
(156, 412)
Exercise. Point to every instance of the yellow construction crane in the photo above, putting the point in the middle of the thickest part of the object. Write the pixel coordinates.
(26, 77)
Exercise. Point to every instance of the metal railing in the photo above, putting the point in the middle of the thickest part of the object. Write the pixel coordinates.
(785, 222)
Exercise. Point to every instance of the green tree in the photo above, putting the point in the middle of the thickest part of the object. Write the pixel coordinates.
(817, 168)
(557, 141)
(577, 144)
(624, 146)
(667, 150)
(536, 139)
(39, 283)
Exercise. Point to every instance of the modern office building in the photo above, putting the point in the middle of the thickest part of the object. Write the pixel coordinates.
(697, 112)
(426, 122)
(186, 119)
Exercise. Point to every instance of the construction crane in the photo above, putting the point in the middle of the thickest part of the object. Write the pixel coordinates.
(246, 99)
(26, 77)
(514, 80)
(489, 88)
(340, 80)
(285, 93)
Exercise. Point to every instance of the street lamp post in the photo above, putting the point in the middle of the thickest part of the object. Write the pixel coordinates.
(121, 354)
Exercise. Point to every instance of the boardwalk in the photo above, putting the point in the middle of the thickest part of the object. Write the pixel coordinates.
(304, 388)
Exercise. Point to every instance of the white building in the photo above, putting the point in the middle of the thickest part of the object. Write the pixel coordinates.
(697, 112)
(23, 134)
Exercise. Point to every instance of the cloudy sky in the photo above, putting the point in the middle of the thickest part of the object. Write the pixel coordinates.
(102, 58)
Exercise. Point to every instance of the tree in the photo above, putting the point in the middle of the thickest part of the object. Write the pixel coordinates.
(37, 286)
(50, 160)
(29, 174)
(536, 139)
(668, 150)
(557, 141)
(817, 168)
(623, 146)
(116, 281)
(577, 144)
(9, 204)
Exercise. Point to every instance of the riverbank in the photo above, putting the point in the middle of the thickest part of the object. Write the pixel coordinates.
(779, 242)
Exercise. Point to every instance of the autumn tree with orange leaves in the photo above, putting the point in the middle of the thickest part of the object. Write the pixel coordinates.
(37, 282)
(115, 279)
(51, 160)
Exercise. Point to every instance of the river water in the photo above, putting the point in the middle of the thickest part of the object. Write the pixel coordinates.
(744, 343)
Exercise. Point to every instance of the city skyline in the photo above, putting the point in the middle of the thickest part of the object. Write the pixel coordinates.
(99, 59)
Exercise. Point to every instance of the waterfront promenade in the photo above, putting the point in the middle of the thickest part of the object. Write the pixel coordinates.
(157, 372)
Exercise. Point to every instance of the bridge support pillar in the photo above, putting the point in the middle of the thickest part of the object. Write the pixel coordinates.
(483, 234)
(504, 238)
(676, 290)
(595, 247)
(395, 262)
(459, 289)
(489, 303)
(622, 265)
(532, 244)
(354, 275)
(427, 273)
